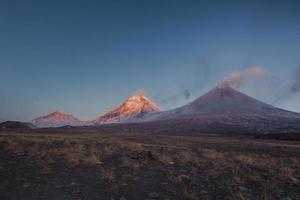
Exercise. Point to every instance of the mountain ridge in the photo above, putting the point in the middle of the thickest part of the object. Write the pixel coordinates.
(222, 109)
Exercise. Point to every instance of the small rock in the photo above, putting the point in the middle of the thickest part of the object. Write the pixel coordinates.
(204, 192)
(242, 188)
(294, 180)
(72, 184)
(153, 194)
(59, 186)
(26, 185)
(286, 198)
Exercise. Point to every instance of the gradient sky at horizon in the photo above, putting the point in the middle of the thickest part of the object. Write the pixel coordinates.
(86, 57)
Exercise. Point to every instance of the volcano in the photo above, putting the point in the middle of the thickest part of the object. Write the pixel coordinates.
(225, 109)
(134, 108)
(224, 100)
(56, 119)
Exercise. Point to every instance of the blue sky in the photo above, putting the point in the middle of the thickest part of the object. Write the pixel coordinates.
(86, 57)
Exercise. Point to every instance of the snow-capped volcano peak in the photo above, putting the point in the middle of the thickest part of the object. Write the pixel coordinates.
(56, 119)
(57, 113)
(134, 107)
(136, 104)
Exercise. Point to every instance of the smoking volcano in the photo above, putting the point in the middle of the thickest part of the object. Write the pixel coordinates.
(223, 110)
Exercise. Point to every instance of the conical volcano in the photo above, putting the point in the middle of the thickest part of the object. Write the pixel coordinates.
(225, 109)
(134, 108)
(224, 99)
(56, 119)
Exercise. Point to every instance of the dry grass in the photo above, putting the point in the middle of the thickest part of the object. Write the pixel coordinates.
(212, 154)
(234, 170)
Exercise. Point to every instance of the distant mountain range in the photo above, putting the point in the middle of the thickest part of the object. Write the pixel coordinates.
(222, 109)
(133, 109)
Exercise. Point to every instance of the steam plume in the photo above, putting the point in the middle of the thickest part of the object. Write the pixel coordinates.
(296, 85)
(177, 99)
(241, 77)
(186, 94)
(139, 92)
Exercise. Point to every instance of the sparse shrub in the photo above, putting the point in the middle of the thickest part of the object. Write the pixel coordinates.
(130, 163)
(107, 150)
(129, 178)
(187, 156)
(108, 176)
(92, 160)
(190, 194)
(165, 159)
(211, 154)
(182, 178)
(45, 170)
(245, 159)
